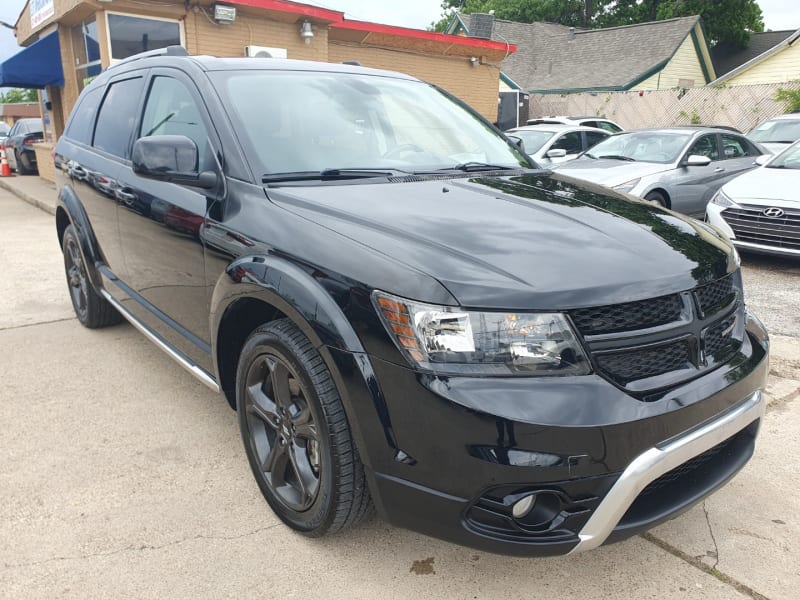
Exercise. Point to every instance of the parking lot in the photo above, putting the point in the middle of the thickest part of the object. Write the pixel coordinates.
(124, 477)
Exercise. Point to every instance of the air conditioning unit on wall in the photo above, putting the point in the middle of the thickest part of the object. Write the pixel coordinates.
(264, 52)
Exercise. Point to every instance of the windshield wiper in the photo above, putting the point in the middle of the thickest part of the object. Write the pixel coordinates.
(589, 154)
(776, 166)
(479, 166)
(618, 157)
(328, 175)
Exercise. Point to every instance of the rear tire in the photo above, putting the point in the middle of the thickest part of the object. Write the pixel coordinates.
(92, 309)
(296, 435)
(656, 197)
(21, 168)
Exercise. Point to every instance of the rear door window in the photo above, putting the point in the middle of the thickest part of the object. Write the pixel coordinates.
(571, 142)
(594, 137)
(734, 146)
(117, 118)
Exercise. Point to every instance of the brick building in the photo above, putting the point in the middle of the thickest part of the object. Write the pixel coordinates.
(67, 42)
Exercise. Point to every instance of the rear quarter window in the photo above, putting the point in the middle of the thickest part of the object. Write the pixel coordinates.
(81, 123)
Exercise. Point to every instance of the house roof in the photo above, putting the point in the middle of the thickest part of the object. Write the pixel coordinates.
(553, 57)
(727, 56)
(787, 40)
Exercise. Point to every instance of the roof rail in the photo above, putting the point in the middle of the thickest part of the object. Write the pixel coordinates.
(168, 51)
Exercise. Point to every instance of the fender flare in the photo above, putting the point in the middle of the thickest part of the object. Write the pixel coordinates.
(297, 294)
(69, 202)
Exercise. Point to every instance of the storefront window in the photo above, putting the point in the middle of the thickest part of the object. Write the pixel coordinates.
(130, 35)
(87, 52)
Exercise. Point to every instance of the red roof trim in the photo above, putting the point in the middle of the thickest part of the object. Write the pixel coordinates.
(313, 12)
(420, 34)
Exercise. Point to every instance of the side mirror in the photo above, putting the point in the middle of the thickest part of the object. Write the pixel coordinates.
(517, 141)
(696, 160)
(763, 159)
(556, 153)
(170, 158)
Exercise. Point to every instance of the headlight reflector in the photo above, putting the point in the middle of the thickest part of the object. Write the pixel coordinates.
(627, 186)
(449, 340)
(721, 199)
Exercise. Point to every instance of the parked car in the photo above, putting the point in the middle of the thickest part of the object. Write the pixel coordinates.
(760, 210)
(4, 129)
(403, 311)
(586, 121)
(553, 144)
(19, 145)
(677, 167)
(778, 133)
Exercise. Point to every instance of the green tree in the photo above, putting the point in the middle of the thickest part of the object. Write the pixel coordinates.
(17, 95)
(725, 21)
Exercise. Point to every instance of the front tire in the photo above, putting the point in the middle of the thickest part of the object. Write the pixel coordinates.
(92, 310)
(296, 435)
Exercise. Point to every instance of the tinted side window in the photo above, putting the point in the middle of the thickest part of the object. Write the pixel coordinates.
(705, 146)
(735, 147)
(571, 142)
(171, 110)
(594, 137)
(81, 125)
(117, 117)
(610, 127)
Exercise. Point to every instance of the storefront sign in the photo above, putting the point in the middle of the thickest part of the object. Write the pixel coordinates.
(41, 10)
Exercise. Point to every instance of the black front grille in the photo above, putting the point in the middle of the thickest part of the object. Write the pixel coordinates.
(633, 364)
(750, 224)
(715, 295)
(628, 315)
(719, 340)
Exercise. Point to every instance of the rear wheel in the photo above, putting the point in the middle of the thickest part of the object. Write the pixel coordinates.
(92, 310)
(296, 434)
(656, 197)
(22, 169)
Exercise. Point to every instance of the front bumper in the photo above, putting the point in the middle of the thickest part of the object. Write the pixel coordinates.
(601, 464)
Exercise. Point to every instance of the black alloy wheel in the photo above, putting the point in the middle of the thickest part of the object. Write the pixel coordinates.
(296, 434)
(92, 310)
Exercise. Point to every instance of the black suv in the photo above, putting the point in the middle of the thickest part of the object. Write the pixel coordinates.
(403, 309)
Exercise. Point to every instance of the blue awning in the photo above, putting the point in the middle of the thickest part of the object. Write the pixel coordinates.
(36, 66)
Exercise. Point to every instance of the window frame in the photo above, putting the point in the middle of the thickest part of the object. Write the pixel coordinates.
(111, 59)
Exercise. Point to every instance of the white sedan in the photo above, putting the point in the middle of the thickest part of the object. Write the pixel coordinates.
(553, 144)
(760, 210)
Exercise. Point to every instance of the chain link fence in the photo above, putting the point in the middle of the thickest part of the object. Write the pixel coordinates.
(742, 106)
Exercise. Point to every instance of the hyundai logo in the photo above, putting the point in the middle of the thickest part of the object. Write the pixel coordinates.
(773, 212)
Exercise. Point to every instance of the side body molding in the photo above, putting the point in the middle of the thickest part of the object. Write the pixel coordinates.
(296, 293)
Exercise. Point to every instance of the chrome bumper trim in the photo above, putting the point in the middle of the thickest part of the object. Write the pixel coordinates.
(182, 360)
(655, 462)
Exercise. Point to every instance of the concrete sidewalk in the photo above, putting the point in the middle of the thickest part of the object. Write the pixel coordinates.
(125, 478)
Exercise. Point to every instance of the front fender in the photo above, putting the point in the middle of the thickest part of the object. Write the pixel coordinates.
(297, 293)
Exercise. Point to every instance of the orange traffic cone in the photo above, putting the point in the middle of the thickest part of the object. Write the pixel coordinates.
(5, 170)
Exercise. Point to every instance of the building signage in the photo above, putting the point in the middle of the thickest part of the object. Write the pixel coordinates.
(41, 10)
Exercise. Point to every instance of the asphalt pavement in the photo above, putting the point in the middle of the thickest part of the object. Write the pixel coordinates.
(124, 477)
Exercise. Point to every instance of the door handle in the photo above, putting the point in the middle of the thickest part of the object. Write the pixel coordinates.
(719, 170)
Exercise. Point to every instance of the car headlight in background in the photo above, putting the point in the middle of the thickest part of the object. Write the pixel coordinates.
(721, 199)
(449, 340)
(627, 186)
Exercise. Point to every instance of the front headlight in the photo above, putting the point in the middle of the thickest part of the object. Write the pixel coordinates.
(721, 199)
(448, 340)
(627, 186)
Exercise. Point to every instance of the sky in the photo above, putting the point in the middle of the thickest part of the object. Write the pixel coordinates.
(778, 14)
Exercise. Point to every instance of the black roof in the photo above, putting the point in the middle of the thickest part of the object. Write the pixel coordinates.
(726, 57)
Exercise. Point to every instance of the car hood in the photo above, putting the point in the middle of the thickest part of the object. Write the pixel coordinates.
(610, 172)
(536, 241)
(765, 184)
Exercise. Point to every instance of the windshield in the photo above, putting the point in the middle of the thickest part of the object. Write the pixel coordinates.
(788, 159)
(786, 131)
(533, 140)
(299, 122)
(645, 146)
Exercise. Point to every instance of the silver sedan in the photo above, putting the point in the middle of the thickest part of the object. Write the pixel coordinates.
(760, 210)
(677, 167)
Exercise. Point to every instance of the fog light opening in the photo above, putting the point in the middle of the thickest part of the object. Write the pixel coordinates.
(522, 507)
